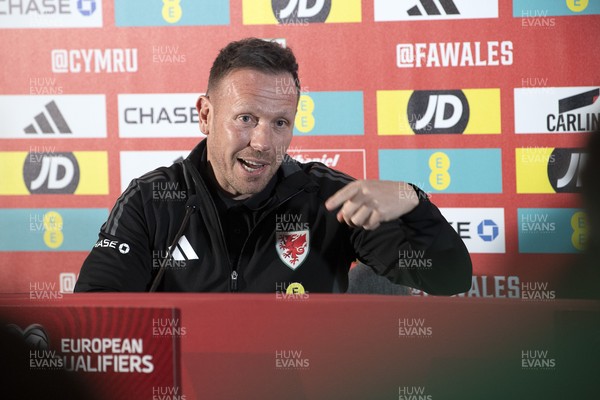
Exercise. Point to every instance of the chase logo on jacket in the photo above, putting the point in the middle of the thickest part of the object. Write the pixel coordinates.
(292, 239)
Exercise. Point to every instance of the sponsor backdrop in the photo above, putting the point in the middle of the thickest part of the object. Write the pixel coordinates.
(485, 105)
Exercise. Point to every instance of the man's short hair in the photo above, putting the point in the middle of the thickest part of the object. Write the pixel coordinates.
(257, 54)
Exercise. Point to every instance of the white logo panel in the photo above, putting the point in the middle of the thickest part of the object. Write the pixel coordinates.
(158, 115)
(414, 10)
(51, 14)
(557, 109)
(136, 163)
(481, 229)
(53, 116)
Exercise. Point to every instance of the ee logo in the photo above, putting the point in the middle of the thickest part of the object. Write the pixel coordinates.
(305, 121)
(171, 11)
(295, 288)
(439, 164)
(579, 225)
(577, 5)
(53, 224)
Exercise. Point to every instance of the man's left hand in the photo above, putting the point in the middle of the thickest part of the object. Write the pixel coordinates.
(367, 203)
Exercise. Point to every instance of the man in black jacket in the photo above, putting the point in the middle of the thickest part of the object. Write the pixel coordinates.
(254, 220)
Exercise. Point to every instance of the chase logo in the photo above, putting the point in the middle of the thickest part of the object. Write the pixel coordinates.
(51, 172)
(51, 14)
(481, 229)
(329, 113)
(549, 170)
(410, 10)
(58, 229)
(171, 12)
(53, 116)
(529, 8)
(487, 230)
(552, 230)
(86, 7)
(557, 110)
(300, 12)
(468, 111)
(444, 170)
(158, 115)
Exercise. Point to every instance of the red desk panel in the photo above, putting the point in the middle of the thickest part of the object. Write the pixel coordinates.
(366, 347)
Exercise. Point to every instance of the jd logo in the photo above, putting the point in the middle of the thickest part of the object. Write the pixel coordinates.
(438, 111)
(56, 173)
(564, 172)
(301, 11)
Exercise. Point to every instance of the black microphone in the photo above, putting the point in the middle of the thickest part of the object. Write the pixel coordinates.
(192, 204)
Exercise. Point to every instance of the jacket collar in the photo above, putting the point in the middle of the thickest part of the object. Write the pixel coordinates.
(289, 180)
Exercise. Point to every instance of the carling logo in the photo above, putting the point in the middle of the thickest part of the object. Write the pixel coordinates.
(557, 110)
(94, 61)
(454, 54)
(53, 116)
(410, 10)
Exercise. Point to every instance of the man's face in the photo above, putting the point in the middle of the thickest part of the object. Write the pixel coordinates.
(248, 121)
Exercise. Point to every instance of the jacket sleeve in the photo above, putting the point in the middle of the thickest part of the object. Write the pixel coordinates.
(420, 250)
(121, 259)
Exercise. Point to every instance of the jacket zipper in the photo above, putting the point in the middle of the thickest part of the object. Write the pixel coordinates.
(233, 277)
(233, 282)
(198, 181)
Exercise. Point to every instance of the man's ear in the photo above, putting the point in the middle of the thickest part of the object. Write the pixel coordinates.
(205, 110)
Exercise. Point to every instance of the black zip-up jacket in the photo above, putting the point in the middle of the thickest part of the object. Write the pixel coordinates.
(292, 238)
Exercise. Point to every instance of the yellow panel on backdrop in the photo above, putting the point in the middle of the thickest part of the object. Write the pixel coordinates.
(345, 11)
(485, 111)
(258, 12)
(47, 173)
(94, 172)
(11, 168)
(532, 169)
(406, 112)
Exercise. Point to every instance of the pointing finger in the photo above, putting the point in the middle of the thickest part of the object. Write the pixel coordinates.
(345, 193)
